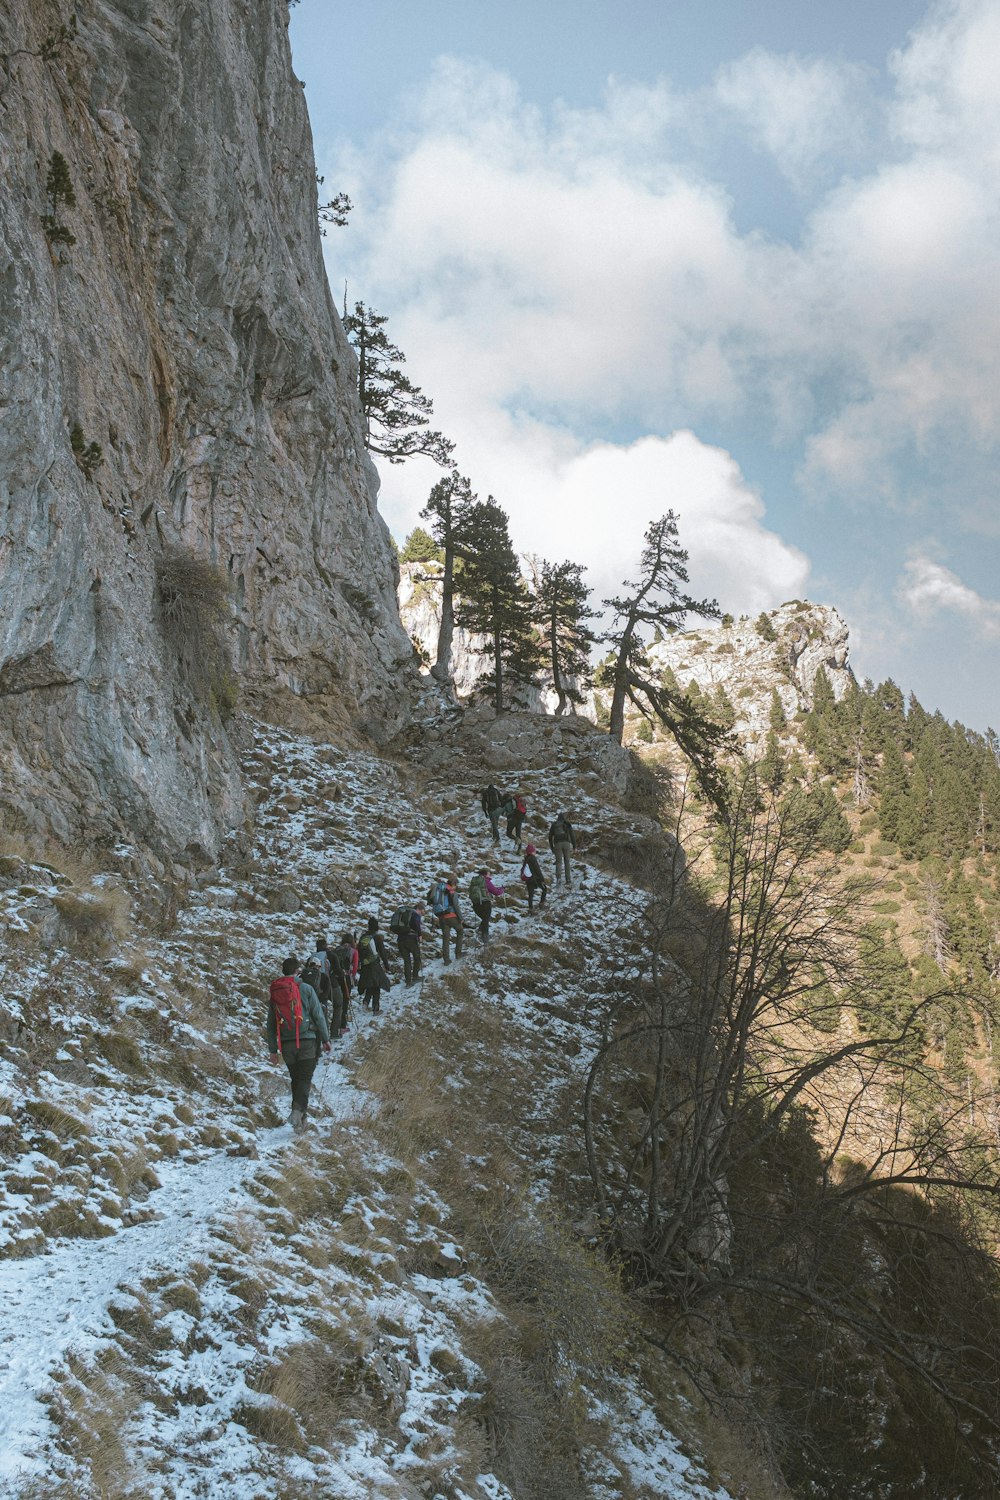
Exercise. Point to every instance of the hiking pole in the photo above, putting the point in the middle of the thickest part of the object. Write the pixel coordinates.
(327, 1060)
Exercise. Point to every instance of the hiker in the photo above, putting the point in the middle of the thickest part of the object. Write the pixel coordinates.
(533, 879)
(297, 1026)
(444, 905)
(407, 923)
(374, 964)
(562, 839)
(342, 965)
(514, 808)
(491, 800)
(482, 893)
(316, 971)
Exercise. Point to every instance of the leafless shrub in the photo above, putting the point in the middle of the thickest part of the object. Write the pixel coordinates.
(193, 597)
(193, 593)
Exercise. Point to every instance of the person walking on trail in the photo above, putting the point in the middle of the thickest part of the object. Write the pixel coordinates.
(296, 1030)
(534, 880)
(491, 800)
(514, 809)
(342, 964)
(316, 971)
(444, 905)
(408, 923)
(374, 966)
(482, 893)
(562, 841)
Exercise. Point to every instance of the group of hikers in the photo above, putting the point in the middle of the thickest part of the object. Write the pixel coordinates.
(310, 1004)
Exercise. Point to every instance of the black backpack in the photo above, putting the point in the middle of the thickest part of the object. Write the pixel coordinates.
(312, 974)
(561, 832)
(401, 920)
(340, 963)
(491, 798)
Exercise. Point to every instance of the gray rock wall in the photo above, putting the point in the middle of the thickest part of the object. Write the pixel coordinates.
(190, 333)
(807, 637)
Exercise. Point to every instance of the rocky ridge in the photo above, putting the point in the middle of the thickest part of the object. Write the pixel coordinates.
(781, 651)
(186, 505)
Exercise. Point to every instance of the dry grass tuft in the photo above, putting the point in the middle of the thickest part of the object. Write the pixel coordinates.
(60, 1122)
(325, 1382)
(95, 919)
(90, 1410)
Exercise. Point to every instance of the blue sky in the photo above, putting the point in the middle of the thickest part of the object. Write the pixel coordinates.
(741, 259)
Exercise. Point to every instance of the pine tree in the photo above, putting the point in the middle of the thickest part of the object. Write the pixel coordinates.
(420, 547)
(59, 187)
(894, 787)
(396, 412)
(657, 600)
(563, 613)
(495, 602)
(776, 717)
(449, 506)
(772, 764)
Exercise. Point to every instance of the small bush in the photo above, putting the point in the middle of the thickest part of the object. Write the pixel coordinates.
(88, 456)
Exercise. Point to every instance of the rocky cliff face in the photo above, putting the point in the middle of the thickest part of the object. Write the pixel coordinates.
(420, 611)
(782, 650)
(229, 532)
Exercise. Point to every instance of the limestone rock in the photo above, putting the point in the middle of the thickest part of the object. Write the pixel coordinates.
(748, 665)
(189, 333)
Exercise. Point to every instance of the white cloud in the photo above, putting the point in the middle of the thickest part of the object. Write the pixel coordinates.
(592, 503)
(801, 110)
(930, 589)
(573, 262)
(947, 81)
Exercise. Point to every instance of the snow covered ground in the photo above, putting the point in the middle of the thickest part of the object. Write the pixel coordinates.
(195, 1302)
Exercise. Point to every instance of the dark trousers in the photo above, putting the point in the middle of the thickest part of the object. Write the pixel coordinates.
(409, 951)
(483, 910)
(371, 990)
(514, 827)
(301, 1064)
(338, 1007)
(493, 813)
(449, 925)
(532, 884)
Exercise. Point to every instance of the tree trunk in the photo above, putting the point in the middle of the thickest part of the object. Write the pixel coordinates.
(616, 728)
(497, 663)
(556, 675)
(441, 670)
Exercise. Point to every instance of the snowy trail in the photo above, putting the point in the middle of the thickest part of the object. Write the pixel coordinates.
(59, 1301)
(370, 851)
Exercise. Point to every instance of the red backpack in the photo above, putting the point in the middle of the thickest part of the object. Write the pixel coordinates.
(286, 1002)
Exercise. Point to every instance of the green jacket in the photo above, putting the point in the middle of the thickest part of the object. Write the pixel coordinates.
(312, 1025)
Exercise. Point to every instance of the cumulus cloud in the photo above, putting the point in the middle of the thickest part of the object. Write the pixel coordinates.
(800, 110)
(574, 263)
(592, 503)
(930, 589)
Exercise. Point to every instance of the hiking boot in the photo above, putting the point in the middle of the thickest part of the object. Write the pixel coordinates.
(297, 1120)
